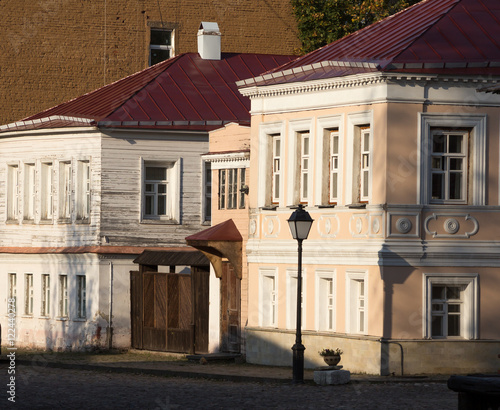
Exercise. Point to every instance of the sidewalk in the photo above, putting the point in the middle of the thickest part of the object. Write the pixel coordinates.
(176, 365)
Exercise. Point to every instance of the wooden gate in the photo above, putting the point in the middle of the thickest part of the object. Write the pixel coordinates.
(169, 311)
(230, 300)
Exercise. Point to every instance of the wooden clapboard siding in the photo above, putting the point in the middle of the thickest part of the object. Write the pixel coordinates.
(37, 147)
(121, 187)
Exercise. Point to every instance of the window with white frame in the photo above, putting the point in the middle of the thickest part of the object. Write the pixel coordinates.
(334, 165)
(45, 311)
(12, 192)
(243, 189)
(450, 306)
(276, 169)
(81, 289)
(268, 299)
(449, 164)
(291, 287)
(207, 186)
(13, 288)
(29, 192)
(65, 187)
(160, 45)
(63, 296)
(160, 191)
(304, 166)
(28, 294)
(325, 301)
(83, 191)
(47, 190)
(356, 302)
(364, 161)
(452, 159)
(231, 183)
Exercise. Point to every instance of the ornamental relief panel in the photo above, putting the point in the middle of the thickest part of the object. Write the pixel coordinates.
(253, 228)
(271, 226)
(376, 225)
(328, 226)
(451, 225)
(359, 225)
(403, 225)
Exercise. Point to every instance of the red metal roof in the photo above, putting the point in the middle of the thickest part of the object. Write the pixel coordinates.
(184, 92)
(433, 36)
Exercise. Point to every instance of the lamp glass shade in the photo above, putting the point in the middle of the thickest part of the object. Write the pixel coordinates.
(300, 223)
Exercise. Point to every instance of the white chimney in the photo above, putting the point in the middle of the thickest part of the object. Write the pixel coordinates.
(209, 41)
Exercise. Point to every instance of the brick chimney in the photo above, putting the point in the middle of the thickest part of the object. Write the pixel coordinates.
(209, 41)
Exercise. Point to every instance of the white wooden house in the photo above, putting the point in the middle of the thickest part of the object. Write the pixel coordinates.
(87, 186)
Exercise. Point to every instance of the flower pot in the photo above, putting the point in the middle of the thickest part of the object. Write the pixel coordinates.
(332, 360)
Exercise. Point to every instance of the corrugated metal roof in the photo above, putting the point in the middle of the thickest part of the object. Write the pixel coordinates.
(434, 35)
(184, 92)
(172, 258)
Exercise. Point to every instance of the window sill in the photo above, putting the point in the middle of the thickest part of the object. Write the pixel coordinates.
(85, 221)
(64, 221)
(159, 222)
(28, 221)
(44, 317)
(326, 206)
(269, 208)
(12, 222)
(80, 319)
(27, 316)
(62, 318)
(356, 206)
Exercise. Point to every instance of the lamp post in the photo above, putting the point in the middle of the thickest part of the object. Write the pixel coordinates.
(300, 224)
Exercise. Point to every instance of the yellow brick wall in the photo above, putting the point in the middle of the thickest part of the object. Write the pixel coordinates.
(55, 50)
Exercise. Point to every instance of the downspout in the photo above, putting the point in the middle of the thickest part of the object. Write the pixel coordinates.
(110, 320)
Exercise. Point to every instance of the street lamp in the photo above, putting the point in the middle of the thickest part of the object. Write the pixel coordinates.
(300, 224)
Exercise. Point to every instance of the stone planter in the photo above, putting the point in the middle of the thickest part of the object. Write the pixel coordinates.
(332, 360)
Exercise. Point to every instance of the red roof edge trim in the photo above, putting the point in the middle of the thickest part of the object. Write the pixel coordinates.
(31, 124)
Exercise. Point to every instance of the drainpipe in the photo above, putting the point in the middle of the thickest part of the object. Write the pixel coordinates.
(110, 320)
(381, 340)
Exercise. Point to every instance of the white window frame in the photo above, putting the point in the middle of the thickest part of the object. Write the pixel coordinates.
(334, 167)
(296, 130)
(222, 184)
(206, 204)
(353, 279)
(63, 296)
(324, 127)
(476, 123)
(12, 286)
(264, 182)
(29, 296)
(81, 294)
(47, 191)
(277, 168)
(83, 190)
(241, 184)
(163, 47)
(291, 297)
(232, 188)
(13, 192)
(45, 295)
(470, 321)
(325, 317)
(173, 193)
(355, 122)
(265, 299)
(29, 191)
(65, 189)
(365, 164)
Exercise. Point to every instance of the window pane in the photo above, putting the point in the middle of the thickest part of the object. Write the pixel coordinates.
(277, 147)
(437, 326)
(456, 185)
(454, 308)
(454, 325)
(438, 292)
(149, 205)
(366, 141)
(437, 163)
(335, 145)
(156, 174)
(334, 186)
(161, 37)
(456, 164)
(162, 188)
(162, 205)
(453, 292)
(438, 143)
(150, 188)
(157, 56)
(365, 183)
(437, 186)
(437, 307)
(455, 142)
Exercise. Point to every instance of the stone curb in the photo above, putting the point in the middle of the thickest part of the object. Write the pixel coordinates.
(223, 377)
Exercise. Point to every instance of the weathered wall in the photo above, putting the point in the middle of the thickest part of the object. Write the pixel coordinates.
(55, 50)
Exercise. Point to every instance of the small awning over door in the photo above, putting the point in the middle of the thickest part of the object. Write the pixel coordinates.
(220, 241)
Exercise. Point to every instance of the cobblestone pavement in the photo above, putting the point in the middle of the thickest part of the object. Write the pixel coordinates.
(53, 388)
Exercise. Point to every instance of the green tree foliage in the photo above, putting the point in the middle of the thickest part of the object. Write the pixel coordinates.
(321, 22)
